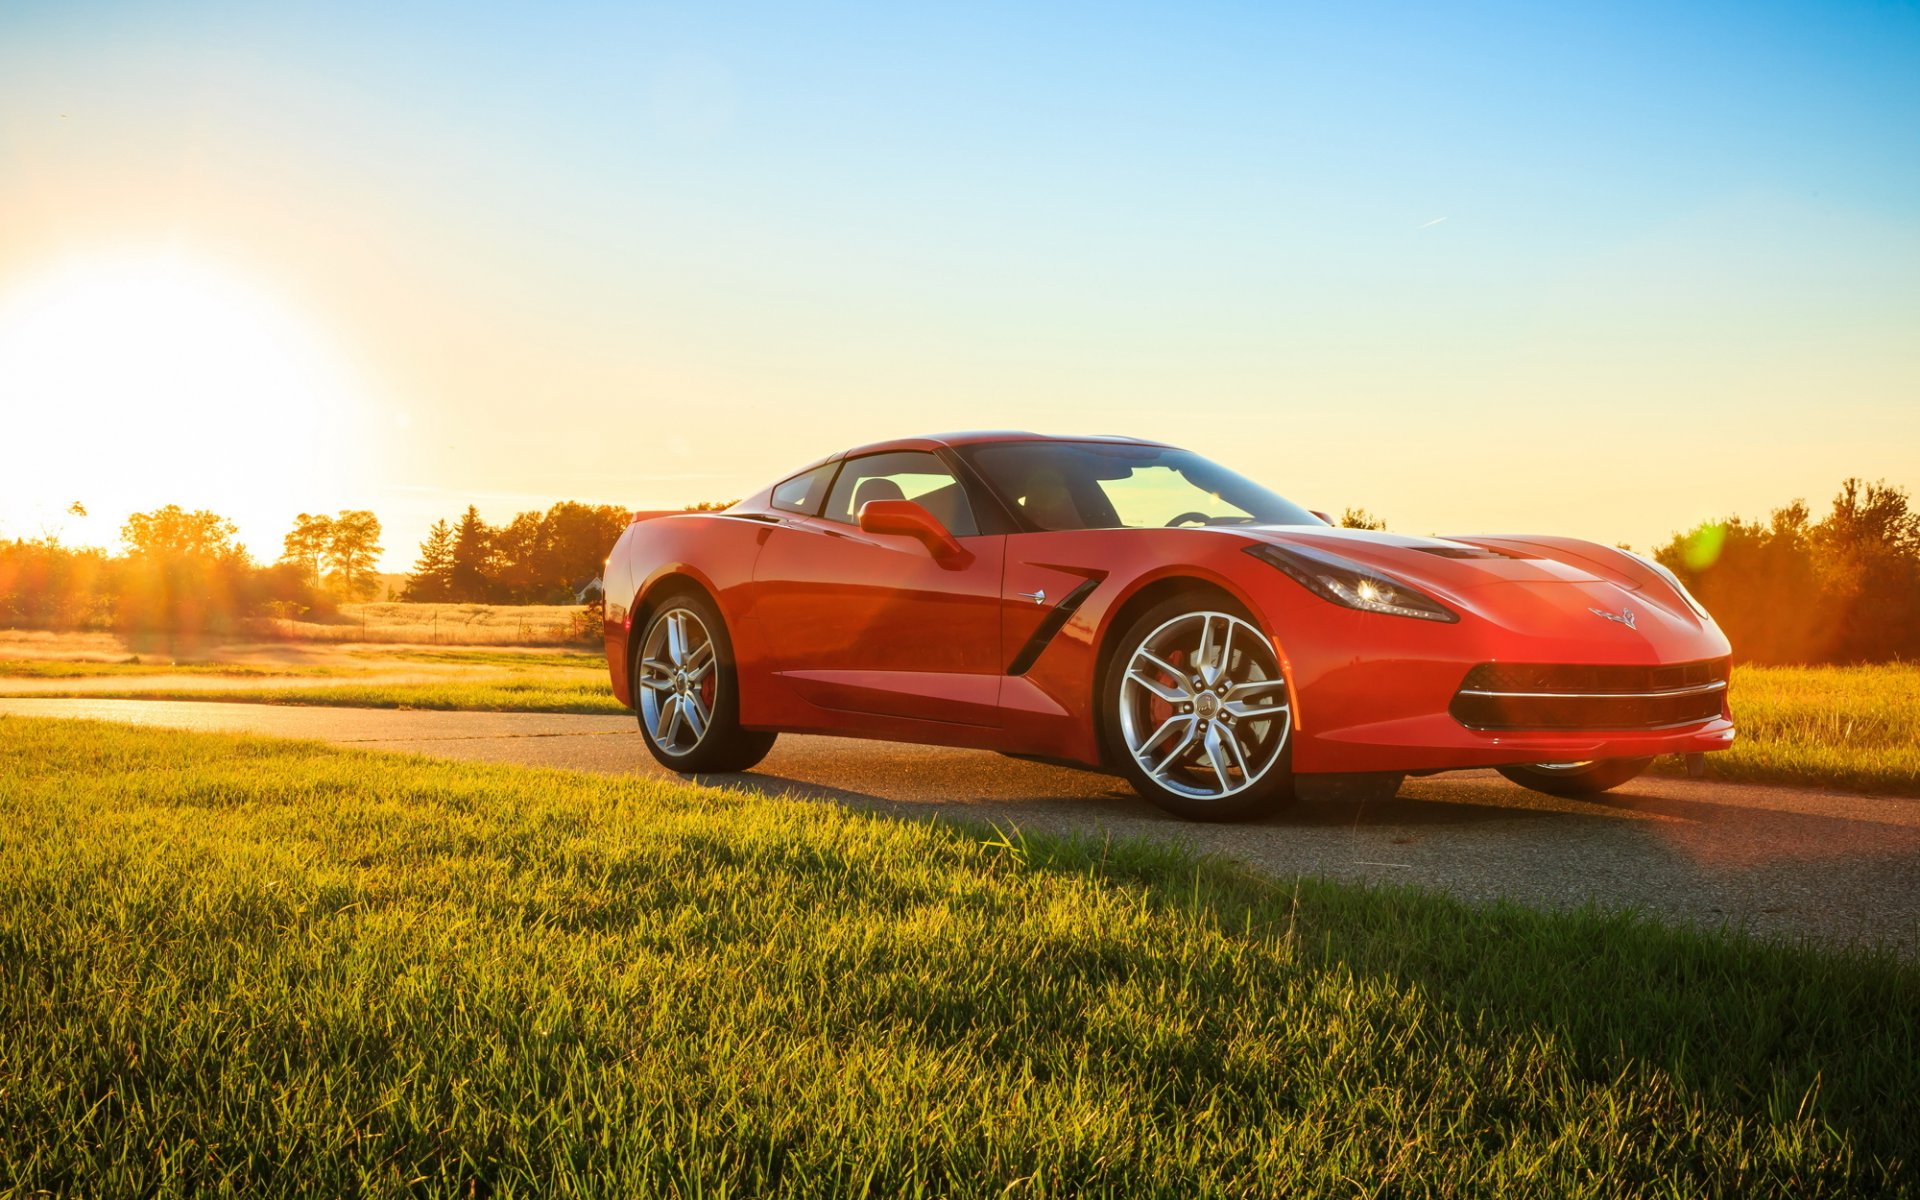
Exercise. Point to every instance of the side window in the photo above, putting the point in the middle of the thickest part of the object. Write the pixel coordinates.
(903, 475)
(802, 493)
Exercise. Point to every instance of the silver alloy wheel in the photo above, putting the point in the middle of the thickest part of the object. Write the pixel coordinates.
(1203, 707)
(676, 681)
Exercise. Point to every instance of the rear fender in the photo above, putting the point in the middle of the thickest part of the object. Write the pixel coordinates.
(712, 552)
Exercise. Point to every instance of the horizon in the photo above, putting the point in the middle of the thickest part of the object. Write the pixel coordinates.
(1603, 273)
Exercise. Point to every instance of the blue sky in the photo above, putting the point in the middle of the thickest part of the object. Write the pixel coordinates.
(1606, 269)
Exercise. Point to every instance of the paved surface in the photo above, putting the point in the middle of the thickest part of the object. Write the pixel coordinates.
(1826, 866)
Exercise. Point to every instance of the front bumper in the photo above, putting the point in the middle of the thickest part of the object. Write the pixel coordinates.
(1386, 694)
(1439, 743)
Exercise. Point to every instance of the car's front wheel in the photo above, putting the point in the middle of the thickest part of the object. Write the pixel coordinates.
(1197, 715)
(1576, 779)
(687, 694)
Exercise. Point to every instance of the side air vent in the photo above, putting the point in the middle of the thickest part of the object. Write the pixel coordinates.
(1050, 625)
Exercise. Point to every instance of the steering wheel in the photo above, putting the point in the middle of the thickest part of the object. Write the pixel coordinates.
(1184, 517)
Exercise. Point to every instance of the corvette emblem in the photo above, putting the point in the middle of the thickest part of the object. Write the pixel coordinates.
(1623, 617)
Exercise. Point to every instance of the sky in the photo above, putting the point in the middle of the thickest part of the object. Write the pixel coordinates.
(1602, 270)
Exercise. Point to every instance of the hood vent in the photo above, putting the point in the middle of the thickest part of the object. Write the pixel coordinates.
(1463, 551)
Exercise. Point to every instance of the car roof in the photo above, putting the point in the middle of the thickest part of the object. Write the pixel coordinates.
(976, 437)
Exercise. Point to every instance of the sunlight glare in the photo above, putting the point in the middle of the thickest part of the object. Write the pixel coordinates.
(135, 381)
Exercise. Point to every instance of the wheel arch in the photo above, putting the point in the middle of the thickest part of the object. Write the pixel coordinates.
(1144, 595)
(662, 584)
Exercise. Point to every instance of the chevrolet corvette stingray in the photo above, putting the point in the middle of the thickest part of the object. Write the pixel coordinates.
(1132, 607)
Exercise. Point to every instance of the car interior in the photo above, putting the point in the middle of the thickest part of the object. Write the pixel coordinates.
(943, 497)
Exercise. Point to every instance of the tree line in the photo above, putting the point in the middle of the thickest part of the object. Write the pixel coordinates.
(1795, 589)
(184, 570)
(546, 557)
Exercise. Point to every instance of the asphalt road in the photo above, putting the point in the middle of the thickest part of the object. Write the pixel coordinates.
(1829, 867)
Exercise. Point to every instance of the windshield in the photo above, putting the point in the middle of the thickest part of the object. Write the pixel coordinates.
(1100, 485)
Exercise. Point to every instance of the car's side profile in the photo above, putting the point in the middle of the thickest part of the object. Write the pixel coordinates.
(1129, 606)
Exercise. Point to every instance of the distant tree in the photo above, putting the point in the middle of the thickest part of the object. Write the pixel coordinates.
(1791, 590)
(471, 578)
(184, 572)
(520, 554)
(353, 553)
(1761, 583)
(432, 577)
(1869, 554)
(544, 558)
(579, 538)
(1360, 518)
(710, 506)
(306, 545)
(46, 585)
(173, 530)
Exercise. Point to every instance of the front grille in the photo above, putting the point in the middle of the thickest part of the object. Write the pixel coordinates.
(1554, 696)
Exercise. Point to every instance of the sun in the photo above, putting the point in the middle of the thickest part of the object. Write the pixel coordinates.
(137, 380)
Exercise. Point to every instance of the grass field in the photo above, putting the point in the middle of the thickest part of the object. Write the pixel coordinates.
(1846, 727)
(438, 624)
(238, 966)
(472, 678)
(132, 669)
(560, 691)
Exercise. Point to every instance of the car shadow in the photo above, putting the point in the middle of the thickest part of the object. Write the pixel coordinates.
(1095, 795)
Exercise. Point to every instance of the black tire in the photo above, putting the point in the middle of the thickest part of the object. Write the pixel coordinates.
(721, 745)
(1576, 780)
(1270, 741)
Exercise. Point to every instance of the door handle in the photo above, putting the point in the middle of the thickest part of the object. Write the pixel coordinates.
(1039, 597)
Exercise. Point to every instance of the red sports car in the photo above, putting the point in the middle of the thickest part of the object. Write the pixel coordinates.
(1132, 607)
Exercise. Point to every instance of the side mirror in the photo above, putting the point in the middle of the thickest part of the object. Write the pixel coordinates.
(1323, 516)
(911, 520)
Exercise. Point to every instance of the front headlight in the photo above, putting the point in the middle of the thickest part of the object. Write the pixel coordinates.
(1673, 581)
(1351, 585)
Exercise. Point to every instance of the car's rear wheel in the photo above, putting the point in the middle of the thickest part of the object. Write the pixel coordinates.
(1576, 779)
(687, 693)
(1197, 714)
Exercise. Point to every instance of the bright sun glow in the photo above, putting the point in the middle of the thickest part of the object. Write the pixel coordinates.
(139, 381)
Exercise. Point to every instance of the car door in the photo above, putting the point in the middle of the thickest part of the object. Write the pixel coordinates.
(875, 623)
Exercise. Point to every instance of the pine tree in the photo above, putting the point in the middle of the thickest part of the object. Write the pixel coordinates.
(471, 580)
(432, 577)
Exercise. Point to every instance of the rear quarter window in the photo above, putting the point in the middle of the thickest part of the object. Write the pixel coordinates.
(803, 493)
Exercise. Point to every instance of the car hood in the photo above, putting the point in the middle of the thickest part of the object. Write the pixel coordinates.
(1450, 564)
(1541, 586)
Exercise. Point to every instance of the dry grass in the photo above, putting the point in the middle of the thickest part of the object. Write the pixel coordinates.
(472, 678)
(1848, 727)
(439, 624)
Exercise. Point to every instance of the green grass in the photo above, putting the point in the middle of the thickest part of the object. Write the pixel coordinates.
(241, 966)
(1856, 728)
(552, 695)
(532, 692)
(498, 681)
(579, 660)
(63, 669)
